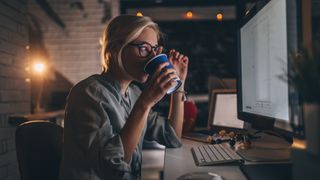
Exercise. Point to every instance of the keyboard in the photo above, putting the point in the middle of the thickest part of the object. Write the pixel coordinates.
(206, 155)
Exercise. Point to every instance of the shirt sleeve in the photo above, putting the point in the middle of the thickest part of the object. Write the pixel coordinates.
(91, 134)
(160, 130)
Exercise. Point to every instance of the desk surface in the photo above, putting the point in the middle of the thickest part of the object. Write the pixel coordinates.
(179, 161)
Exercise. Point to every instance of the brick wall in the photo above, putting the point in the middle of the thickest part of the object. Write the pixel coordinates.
(73, 51)
(14, 91)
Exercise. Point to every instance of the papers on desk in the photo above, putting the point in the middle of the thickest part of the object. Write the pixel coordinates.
(196, 136)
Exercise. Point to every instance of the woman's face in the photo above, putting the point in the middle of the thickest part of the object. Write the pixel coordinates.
(136, 54)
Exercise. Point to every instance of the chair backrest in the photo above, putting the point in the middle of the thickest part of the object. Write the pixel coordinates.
(39, 150)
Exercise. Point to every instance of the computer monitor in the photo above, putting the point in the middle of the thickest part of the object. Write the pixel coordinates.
(267, 36)
(223, 110)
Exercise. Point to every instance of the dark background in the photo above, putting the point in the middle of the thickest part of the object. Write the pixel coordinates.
(210, 46)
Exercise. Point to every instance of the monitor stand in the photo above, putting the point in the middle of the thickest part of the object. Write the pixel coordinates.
(268, 148)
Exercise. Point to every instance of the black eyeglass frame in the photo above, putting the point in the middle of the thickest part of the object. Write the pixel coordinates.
(142, 45)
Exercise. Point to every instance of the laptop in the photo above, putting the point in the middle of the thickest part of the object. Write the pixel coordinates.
(222, 115)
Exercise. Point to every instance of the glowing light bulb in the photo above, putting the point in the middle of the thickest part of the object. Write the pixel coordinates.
(189, 14)
(219, 16)
(39, 68)
(139, 13)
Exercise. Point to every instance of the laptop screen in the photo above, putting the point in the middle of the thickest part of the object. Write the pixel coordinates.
(225, 112)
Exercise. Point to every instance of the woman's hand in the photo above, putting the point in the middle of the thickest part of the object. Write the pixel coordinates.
(180, 63)
(158, 85)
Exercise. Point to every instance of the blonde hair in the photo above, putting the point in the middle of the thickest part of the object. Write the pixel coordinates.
(120, 31)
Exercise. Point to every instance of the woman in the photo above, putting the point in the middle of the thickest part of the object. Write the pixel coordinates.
(107, 117)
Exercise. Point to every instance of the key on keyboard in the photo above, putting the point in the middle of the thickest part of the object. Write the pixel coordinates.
(205, 155)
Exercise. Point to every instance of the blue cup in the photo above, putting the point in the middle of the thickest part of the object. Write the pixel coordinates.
(152, 65)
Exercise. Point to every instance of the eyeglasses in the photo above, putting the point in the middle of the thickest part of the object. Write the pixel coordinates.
(145, 49)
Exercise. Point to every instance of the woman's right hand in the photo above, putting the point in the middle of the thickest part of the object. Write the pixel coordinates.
(158, 85)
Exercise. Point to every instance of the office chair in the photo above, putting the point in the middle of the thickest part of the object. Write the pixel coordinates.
(39, 150)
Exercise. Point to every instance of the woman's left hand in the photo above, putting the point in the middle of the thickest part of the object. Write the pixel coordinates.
(180, 63)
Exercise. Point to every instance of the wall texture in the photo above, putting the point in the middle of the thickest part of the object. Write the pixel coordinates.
(73, 53)
(74, 50)
(14, 90)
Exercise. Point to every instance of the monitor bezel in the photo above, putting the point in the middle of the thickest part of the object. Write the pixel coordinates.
(259, 121)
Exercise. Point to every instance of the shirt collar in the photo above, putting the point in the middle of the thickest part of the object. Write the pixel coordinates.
(115, 84)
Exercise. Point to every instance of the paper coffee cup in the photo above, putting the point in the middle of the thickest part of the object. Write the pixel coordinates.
(152, 65)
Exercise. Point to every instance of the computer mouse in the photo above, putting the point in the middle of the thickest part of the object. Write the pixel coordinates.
(200, 176)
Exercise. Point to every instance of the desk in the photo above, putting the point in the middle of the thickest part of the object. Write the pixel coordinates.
(179, 161)
(152, 163)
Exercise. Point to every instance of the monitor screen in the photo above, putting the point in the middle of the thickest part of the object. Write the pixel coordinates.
(225, 111)
(264, 58)
(266, 38)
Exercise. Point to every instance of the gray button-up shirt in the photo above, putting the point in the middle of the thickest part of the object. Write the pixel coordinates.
(96, 111)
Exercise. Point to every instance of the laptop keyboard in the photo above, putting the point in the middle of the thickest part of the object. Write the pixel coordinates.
(206, 155)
